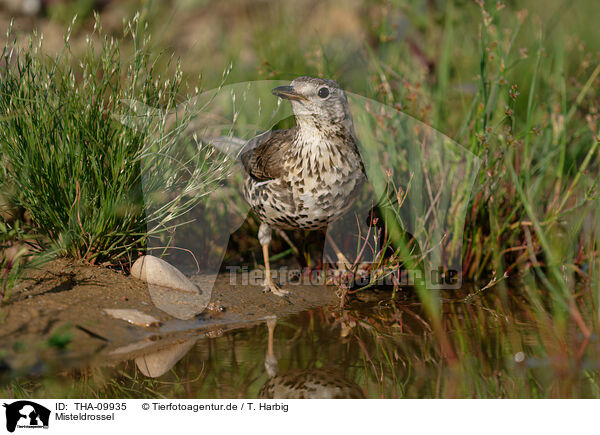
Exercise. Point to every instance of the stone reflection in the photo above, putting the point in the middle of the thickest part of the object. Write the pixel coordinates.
(157, 364)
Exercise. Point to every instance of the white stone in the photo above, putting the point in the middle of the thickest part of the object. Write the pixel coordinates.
(170, 290)
(155, 271)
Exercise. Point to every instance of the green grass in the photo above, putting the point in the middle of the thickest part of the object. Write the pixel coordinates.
(516, 85)
(86, 167)
(497, 79)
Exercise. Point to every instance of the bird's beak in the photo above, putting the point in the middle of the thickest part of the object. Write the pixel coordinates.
(288, 93)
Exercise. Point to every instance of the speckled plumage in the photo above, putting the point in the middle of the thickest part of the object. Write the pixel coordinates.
(307, 176)
(310, 384)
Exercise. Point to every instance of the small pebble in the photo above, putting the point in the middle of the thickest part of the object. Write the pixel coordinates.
(134, 317)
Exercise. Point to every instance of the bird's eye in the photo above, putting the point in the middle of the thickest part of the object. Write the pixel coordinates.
(323, 93)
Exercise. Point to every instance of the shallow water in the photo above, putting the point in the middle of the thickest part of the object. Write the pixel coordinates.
(374, 348)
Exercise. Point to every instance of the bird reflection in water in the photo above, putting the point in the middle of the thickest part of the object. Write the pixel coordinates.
(303, 383)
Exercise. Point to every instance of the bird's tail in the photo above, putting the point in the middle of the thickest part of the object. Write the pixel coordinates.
(230, 145)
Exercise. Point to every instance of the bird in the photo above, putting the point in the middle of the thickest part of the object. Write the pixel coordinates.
(307, 176)
(323, 383)
(310, 384)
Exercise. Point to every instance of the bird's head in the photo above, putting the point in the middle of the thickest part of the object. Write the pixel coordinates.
(316, 98)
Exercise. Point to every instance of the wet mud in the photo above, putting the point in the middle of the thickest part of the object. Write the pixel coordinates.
(56, 317)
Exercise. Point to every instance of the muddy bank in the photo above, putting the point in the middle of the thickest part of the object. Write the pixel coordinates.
(56, 316)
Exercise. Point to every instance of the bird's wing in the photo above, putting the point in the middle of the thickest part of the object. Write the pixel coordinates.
(263, 157)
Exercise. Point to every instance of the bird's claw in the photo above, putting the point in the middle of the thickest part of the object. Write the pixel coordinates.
(270, 286)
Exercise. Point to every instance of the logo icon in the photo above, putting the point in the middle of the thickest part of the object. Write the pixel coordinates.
(26, 414)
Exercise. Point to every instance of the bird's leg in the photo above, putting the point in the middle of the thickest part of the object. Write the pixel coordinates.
(271, 359)
(341, 258)
(264, 237)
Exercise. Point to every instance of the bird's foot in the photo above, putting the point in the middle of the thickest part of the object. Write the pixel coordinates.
(270, 286)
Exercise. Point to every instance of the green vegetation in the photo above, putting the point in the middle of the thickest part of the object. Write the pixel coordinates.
(75, 154)
(11, 257)
(61, 337)
(518, 86)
